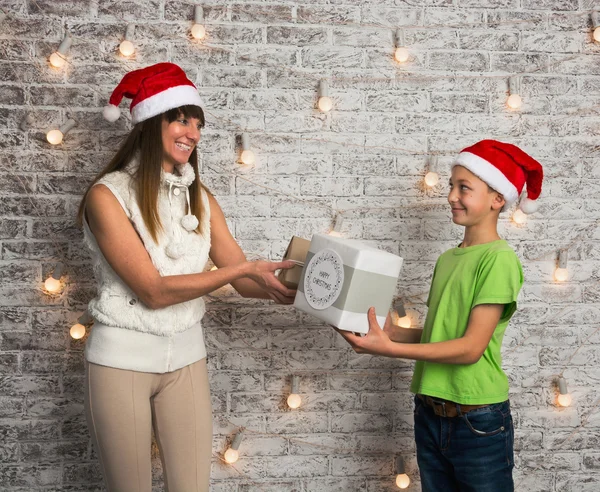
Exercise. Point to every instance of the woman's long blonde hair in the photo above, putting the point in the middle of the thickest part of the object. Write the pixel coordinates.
(144, 142)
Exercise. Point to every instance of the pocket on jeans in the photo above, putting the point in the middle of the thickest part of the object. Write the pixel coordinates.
(485, 424)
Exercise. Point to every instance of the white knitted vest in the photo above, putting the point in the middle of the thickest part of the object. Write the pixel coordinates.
(115, 304)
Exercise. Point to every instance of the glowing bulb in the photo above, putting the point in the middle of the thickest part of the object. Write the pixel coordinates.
(126, 48)
(52, 285)
(514, 101)
(54, 137)
(198, 31)
(214, 268)
(231, 455)
(325, 104)
(294, 401)
(561, 274)
(404, 322)
(431, 179)
(597, 34)
(402, 481)
(247, 157)
(77, 331)
(402, 55)
(565, 400)
(519, 217)
(56, 60)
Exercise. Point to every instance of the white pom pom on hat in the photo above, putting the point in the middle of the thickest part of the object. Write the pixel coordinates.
(528, 206)
(152, 90)
(111, 113)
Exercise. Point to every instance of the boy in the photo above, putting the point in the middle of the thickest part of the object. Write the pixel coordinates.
(463, 424)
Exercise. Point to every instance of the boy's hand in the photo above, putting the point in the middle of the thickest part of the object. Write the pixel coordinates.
(375, 342)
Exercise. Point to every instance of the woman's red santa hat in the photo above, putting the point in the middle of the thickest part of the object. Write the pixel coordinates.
(506, 169)
(152, 90)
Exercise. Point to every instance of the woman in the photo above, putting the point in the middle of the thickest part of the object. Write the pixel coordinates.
(151, 226)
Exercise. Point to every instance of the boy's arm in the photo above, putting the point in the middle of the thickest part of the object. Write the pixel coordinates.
(465, 350)
(401, 335)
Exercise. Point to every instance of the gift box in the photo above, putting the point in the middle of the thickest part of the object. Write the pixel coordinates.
(343, 278)
(296, 251)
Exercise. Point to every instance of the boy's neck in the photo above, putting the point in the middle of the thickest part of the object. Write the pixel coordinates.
(479, 234)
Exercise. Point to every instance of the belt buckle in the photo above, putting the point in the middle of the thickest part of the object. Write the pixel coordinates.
(437, 404)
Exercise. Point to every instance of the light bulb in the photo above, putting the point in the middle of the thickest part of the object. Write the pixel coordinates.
(54, 137)
(597, 34)
(325, 104)
(561, 274)
(52, 285)
(247, 157)
(56, 60)
(215, 267)
(231, 455)
(77, 331)
(565, 400)
(431, 179)
(126, 48)
(402, 55)
(519, 217)
(402, 481)
(404, 322)
(198, 31)
(294, 401)
(514, 101)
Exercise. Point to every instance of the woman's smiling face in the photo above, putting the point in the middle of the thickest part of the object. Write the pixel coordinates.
(179, 138)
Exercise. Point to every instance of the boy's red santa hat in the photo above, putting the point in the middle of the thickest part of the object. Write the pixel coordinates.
(506, 169)
(152, 90)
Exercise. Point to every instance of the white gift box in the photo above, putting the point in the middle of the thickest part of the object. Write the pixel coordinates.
(343, 278)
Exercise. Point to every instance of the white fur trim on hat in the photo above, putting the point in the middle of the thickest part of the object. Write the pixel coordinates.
(173, 97)
(490, 174)
(528, 206)
(111, 113)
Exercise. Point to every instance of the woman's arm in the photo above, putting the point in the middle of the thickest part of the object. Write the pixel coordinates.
(226, 252)
(125, 252)
(465, 350)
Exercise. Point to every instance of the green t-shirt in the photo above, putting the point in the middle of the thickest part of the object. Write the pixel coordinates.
(488, 273)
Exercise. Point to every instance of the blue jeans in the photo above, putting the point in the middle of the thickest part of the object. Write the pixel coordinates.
(472, 452)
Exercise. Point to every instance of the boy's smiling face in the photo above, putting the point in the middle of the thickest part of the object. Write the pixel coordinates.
(471, 199)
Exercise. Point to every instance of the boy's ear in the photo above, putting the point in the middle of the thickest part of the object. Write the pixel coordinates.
(498, 201)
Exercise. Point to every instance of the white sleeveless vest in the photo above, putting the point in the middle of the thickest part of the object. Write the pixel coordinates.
(127, 334)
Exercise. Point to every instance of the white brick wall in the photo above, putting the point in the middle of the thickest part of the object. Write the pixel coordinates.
(259, 71)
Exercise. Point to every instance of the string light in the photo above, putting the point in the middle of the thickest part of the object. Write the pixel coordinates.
(432, 177)
(401, 54)
(26, 122)
(514, 100)
(126, 47)
(198, 30)
(561, 274)
(56, 136)
(596, 25)
(519, 217)
(294, 400)
(57, 59)
(232, 454)
(247, 156)
(325, 103)
(338, 223)
(401, 318)
(402, 479)
(77, 331)
(564, 398)
(52, 283)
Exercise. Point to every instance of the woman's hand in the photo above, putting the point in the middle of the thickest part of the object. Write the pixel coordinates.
(263, 273)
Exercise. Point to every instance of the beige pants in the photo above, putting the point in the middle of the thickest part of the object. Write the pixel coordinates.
(121, 409)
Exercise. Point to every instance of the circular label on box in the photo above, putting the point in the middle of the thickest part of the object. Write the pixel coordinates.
(324, 279)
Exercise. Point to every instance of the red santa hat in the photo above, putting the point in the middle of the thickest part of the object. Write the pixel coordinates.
(152, 90)
(506, 169)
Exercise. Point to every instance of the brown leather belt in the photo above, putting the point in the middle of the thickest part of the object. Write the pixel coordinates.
(446, 408)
